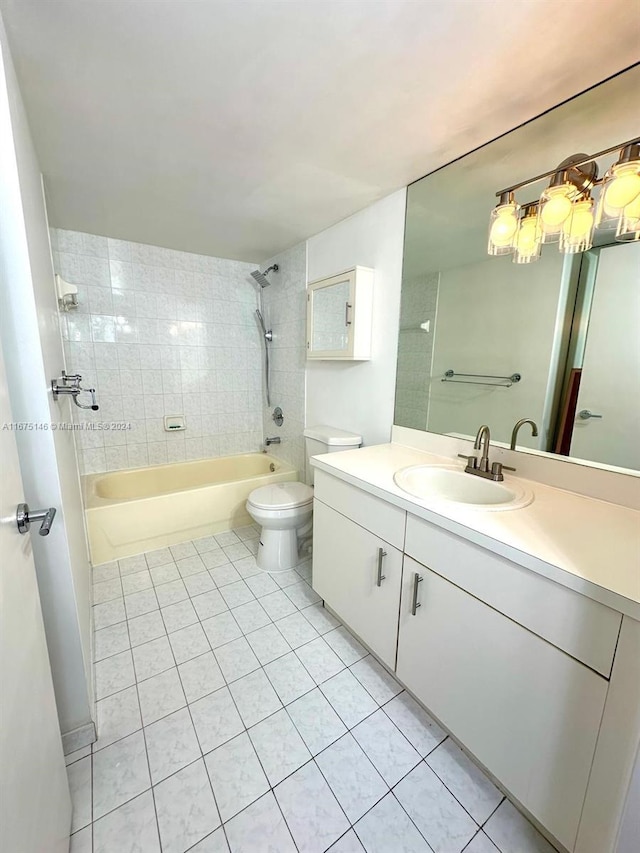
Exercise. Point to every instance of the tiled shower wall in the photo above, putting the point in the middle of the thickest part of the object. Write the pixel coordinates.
(285, 309)
(160, 332)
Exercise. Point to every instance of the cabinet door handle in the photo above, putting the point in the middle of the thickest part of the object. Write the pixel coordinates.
(414, 598)
(347, 306)
(380, 577)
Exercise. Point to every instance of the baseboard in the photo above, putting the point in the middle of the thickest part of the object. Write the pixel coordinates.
(77, 738)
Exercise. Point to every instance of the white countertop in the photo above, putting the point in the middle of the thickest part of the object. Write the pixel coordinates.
(588, 545)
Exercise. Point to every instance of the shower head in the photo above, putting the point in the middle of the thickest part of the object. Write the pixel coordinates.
(261, 277)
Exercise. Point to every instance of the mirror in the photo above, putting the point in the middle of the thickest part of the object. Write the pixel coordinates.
(330, 331)
(485, 340)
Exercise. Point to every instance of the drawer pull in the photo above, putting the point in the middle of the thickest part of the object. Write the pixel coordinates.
(380, 577)
(417, 578)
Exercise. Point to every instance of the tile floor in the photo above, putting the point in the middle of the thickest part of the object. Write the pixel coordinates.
(236, 715)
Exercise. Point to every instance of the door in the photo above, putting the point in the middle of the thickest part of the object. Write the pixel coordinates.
(359, 576)
(35, 808)
(607, 422)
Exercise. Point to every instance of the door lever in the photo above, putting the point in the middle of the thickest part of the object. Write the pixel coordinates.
(585, 414)
(24, 517)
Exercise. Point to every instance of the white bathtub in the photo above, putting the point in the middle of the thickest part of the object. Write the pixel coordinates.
(142, 509)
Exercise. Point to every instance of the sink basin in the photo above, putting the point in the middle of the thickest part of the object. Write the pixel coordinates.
(443, 483)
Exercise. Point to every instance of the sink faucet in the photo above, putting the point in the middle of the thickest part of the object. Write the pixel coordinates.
(488, 470)
(520, 423)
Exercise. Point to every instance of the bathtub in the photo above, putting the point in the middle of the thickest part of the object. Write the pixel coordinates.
(142, 509)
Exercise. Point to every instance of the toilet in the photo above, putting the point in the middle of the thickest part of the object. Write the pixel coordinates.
(284, 510)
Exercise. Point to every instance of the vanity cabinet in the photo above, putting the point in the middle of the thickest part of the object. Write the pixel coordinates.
(339, 316)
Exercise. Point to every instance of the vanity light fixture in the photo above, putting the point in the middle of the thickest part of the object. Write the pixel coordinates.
(566, 212)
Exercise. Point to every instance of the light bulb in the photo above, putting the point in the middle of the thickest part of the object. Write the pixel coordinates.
(503, 225)
(555, 208)
(629, 224)
(622, 188)
(527, 242)
(577, 231)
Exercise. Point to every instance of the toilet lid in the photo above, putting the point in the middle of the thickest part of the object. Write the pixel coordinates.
(281, 496)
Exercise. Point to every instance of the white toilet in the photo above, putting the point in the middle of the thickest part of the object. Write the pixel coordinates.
(284, 510)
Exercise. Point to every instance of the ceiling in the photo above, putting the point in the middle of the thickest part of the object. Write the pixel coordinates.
(238, 128)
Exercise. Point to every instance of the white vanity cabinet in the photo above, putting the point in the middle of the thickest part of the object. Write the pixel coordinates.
(339, 316)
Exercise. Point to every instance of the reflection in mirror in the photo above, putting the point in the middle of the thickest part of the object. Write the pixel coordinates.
(484, 340)
(330, 331)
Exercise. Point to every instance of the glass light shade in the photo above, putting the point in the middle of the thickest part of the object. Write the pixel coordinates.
(503, 226)
(556, 205)
(620, 188)
(577, 231)
(628, 230)
(528, 241)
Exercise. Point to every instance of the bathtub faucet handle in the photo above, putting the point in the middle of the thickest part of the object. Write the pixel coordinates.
(274, 440)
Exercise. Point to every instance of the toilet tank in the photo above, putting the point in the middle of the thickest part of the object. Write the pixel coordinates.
(327, 439)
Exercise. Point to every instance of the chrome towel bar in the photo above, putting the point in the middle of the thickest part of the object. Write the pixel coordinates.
(502, 381)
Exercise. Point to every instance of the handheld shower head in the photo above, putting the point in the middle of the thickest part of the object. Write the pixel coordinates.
(261, 277)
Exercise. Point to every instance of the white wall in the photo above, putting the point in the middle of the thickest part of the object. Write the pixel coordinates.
(33, 356)
(359, 396)
(160, 332)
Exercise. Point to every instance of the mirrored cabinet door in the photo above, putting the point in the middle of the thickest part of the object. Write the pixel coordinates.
(339, 312)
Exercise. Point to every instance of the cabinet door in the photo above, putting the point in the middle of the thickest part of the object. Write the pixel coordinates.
(345, 573)
(526, 710)
(330, 324)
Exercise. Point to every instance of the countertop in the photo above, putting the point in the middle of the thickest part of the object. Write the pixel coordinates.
(588, 545)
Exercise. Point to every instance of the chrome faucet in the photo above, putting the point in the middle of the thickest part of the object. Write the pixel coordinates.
(484, 468)
(520, 423)
(274, 440)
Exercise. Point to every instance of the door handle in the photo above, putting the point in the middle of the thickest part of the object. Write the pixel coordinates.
(24, 517)
(585, 414)
(347, 306)
(417, 578)
(380, 577)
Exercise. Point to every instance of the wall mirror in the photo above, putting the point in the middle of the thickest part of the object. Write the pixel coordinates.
(485, 340)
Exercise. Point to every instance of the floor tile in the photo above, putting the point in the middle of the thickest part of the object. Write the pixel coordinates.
(236, 776)
(114, 674)
(280, 748)
(82, 841)
(186, 809)
(435, 811)
(386, 747)
(188, 643)
(171, 745)
(110, 641)
(236, 594)
(209, 604)
(105, 572)
(268, 643)
(182, 550)
(246, 532)
(108, 614)
(304, 571)
(159, 557)
(423, 733)
(316, 721)
(120, 773)
(255, 698)
(140, 603)
(320, 618)
(352, 777)
(480, 843)
(345, 645)
(199, 584)
(236, 551)
(227, 537)
(319, 660)
(465, 780)
(218, 564)
(200, 676)
(164, 574)
(347, 844)
(247, 567)
(349, 698)
(214, 843)
(107, 591)
(160, 695)
(152, 658)
(311, 811)
(289, 678)
(179, 615)
(375, 679)
(236, 659)
(130, 829)
(136, 582)
(260, 828)
(250, 616)
(117, 717)
(207, 543)
(277, 605)
(284, 579)
(302, 595)
(221, 629)
(190, 566)
(296, 630)
(216, 719)
(131, 565)
(511, 832)
(261, 584)
(142, 629)
(79, 776)
(171, 592)
(388, 827)
(77, 754)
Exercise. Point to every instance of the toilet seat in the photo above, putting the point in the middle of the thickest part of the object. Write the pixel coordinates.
(281, 496)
